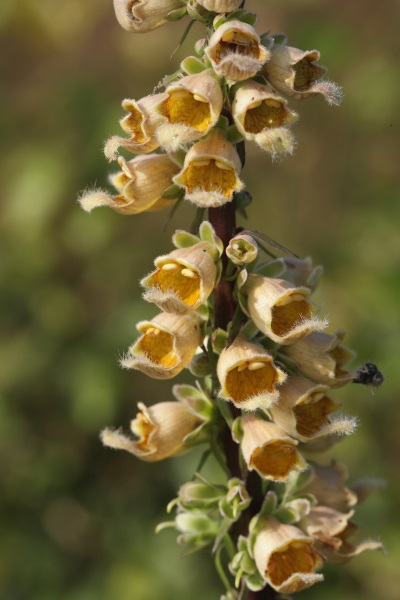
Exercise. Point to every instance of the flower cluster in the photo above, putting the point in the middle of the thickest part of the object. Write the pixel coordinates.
(265, 367)
(236, 88)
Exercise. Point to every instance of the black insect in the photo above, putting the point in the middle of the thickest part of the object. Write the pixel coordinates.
(369, 374)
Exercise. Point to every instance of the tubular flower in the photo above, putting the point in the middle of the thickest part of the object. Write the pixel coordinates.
(242, 249)
(141, 184)
(183, 280)
(321, 357)
(280, 310)
(285, 556)
(161, 430)
(166, 346)
(331, 530)
(268, 449)
(262, 116)
(141, 16)
(220, 6)
(248, 375)
(189, 109)
(303, 410)
(141, 123)
(235, 51)
(210, 172)
(296, 74)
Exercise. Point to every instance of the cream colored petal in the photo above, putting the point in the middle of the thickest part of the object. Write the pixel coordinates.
(235, 51)
(280, 310)
(183, 280)
(284, 555)
(248, 375)
(167, 345)
(296, 74)
(141, 16)
(322, 358)
(327, 484)
(210, 174)
(268, 449)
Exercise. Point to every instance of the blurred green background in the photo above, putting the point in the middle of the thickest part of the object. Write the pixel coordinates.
(77, 520)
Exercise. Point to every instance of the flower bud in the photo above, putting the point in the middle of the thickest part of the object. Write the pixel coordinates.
(303, 411)
(184, 279)
(167, 344)
(141, 124)
(299, 271)
(285, 556)
(210, 173)
(280, 310)
(322, 358)
(268, 449)
(220, 6)
(296, 74)
(141, 16)
(262, 116)
(235, 51)
(141, 184)
(248, 375)
(242, 249)
(189, 109)
(161, 430)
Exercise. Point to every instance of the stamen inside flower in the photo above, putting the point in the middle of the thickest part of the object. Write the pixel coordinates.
(142, 427)
(275, 459)
(133, 123)
(251, 378)
(307, 73)
(210, 175)
(179, 280)
(312, 414)
(265, 114)
(290, 312)
(298, 557)
(187, 109)
(158, 347)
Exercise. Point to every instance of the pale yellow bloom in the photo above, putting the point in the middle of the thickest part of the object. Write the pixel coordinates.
(280, 310)
(322, 358)
(183, 280)
(268, 449)
(167, 344)
(141, 123)
(248, 375)
(141, 184)
(141, 16)
(189, 109)
(285, 556)
(210, 174)
(161, 430)
(296, 74)
(235, 51)
(262, 116)
(304, 409)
